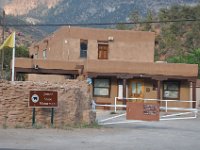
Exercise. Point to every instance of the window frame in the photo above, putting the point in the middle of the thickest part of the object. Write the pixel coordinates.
(83, 52)
(171, 81)
(103, 43)
(109, 88)
(36, 54)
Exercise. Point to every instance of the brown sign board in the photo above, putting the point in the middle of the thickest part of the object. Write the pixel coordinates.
(43, 99)
(143, 111)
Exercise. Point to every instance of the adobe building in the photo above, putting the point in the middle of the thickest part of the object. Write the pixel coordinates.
(117, 63)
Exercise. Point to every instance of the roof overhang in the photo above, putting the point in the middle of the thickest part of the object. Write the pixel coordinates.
(37, 66)
(119, 69)
(134, 69)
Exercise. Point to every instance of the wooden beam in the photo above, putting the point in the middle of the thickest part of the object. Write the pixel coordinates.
(80, 68)
(46, 71)
(194, 94)
(130, 76)
(158, 89)
(124, 91)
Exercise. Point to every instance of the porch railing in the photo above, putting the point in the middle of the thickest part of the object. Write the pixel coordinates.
(165, 108)
(183, 113)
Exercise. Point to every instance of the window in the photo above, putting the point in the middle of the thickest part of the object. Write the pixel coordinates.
(137, 89)
(36, 55)
(44, 53)
(36, 47)
(101, 87)
(155, 85)
(103, 50)
(171, 90)
(83, 48)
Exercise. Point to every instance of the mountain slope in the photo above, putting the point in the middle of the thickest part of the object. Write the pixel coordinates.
(79, 11)
(25, 35)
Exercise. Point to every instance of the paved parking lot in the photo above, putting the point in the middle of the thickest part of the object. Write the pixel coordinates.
(166, 135)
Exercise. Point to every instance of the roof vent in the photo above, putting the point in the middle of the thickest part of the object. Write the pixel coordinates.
(161, 62)
(110, 38)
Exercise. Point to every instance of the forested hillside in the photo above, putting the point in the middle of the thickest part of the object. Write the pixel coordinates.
(177, 41)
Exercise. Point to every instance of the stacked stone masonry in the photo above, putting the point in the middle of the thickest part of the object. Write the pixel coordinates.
(74, 104)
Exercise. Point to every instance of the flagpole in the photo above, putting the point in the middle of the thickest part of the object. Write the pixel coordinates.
(13, 61)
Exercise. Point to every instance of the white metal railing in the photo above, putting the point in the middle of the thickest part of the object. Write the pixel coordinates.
(166, 108)
(174, 116)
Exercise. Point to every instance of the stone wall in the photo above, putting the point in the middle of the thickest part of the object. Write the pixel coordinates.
(74, 104)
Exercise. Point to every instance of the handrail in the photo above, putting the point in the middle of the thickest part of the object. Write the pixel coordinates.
(159, 100)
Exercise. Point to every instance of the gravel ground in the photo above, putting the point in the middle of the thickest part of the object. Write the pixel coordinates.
(165, 135)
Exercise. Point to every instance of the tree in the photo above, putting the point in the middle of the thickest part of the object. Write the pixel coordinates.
(122, 27)
(135, 17)
(149, 18)
(21, 51)
(191, 58)
(179, 38)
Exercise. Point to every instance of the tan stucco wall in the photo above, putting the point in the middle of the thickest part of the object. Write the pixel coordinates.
(184, 93)
(47, 78)
(74, 104)
(64, 44)
(152, 94)
(198, 96)
(113, 93)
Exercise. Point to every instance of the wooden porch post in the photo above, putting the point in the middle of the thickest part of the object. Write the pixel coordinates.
(158, 89)
(194, 94)
(124, 91)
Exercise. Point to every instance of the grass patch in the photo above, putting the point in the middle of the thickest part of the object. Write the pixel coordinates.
(94, 125)
(18, 126)
(38, 126)
(5, 126)
(112, 113)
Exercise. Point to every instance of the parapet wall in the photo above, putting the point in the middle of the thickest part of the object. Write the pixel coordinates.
(74, 104)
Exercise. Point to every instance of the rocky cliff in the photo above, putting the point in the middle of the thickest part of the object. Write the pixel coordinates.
(23, 7)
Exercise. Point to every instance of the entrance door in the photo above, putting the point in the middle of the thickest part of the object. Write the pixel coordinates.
(136, 89)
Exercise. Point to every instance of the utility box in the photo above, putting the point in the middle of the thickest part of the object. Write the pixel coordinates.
(143, 111)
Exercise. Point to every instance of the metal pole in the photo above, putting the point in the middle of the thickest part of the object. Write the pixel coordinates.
(2, 51)
(52, 115)
(33, 117)
(13, 61)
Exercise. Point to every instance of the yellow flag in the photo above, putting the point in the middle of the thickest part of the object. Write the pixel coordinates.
(9, 42)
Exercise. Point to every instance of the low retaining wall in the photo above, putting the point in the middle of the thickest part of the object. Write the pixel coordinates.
(74, 104)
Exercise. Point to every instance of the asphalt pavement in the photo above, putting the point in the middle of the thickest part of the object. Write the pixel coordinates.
(162, 135)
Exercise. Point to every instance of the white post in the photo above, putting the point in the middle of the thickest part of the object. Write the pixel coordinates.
(93, 105)
(13, 61)
(166, 106)
(115, 104)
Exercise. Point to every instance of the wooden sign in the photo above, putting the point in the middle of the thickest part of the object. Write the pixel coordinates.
(43, 99)
(143, 111)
